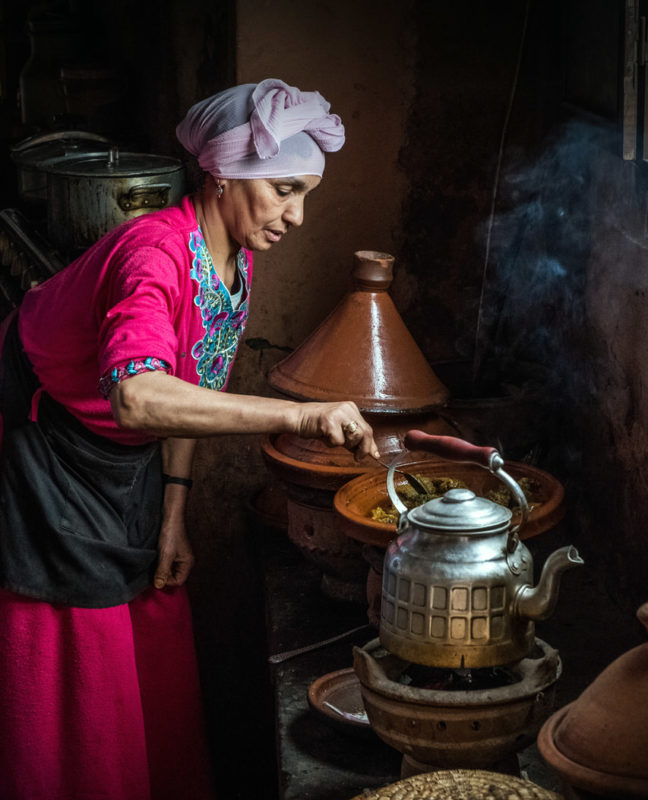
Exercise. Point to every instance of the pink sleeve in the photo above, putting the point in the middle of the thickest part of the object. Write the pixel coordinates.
(139, 308)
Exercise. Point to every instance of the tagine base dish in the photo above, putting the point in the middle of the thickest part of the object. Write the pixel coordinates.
(356, 499)
(337, 697)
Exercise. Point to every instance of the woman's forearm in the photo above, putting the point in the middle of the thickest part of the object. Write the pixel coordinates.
(177, 458)
(167, 406)
(163, 405)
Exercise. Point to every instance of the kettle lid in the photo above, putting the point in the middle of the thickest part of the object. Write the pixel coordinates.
(461, 511)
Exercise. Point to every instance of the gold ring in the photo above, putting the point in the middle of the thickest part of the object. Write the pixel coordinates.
(350, 427)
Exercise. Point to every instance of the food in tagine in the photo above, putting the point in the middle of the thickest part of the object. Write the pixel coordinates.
(437, 487)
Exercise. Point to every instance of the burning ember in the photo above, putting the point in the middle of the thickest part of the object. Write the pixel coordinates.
(419, 676)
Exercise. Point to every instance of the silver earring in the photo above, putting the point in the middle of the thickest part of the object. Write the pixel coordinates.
(219, 190)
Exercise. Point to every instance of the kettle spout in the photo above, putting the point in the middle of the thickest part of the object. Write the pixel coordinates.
(538, 603)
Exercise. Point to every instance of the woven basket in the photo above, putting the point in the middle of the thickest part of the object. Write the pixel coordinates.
(460, 784)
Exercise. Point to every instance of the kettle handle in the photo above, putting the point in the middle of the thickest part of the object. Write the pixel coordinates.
(454, 449)
(450, 448)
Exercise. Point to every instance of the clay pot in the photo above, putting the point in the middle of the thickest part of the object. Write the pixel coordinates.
(599, 743)
(354, 501)
(311, 474)
(361, 352)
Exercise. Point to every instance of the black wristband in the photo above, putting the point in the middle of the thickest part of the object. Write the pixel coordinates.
(172, 479)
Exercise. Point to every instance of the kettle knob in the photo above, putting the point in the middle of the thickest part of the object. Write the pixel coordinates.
(454, 449)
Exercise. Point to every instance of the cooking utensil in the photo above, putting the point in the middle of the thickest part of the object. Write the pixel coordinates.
(413, 482)
(457, 582)
(278, 658)
(89, 195)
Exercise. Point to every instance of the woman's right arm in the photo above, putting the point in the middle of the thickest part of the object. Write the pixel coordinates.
(163, 405)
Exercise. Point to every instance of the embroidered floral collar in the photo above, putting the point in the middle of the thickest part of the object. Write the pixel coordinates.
(222, 324)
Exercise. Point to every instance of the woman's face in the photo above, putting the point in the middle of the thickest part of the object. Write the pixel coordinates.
(258, 213)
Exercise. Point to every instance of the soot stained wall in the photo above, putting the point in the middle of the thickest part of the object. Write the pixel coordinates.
(562, 315)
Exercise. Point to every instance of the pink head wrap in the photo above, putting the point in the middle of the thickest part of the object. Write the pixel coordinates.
(264, 130)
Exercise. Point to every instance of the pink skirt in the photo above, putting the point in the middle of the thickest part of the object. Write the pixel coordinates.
(101, 704)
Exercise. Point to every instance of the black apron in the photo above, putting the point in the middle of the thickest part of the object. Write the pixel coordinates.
(80, 514)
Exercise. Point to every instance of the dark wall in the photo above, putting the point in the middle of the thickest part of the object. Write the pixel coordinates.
(522, 252)
(155, 58)
(488, 91)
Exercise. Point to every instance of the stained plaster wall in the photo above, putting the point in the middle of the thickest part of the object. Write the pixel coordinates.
(614, 428)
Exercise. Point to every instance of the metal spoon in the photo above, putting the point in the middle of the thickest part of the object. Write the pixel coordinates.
(413, 482)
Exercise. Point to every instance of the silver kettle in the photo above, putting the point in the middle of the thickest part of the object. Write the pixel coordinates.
(457, 581)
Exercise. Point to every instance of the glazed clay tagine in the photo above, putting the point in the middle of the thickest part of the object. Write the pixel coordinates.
(599, 743)
(361, 352)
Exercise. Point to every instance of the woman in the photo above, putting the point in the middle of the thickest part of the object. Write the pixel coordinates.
(106, 382)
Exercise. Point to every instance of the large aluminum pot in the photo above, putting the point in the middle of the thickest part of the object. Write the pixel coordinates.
(34, 155)
(89, 195)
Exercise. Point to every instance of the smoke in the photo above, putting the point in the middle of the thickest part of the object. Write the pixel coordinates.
(533, 304)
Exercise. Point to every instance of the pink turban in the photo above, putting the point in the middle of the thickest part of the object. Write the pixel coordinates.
(264, 130)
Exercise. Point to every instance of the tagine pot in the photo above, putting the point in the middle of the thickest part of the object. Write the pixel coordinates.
(362, 352)
(599, 742)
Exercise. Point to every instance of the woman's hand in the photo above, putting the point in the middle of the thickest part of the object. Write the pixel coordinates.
(175, 556)
(338, 424)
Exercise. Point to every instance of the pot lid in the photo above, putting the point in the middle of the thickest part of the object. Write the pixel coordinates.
(39, 150)
(600, 740)
(461, 511)
(362, 351)
(115, 164)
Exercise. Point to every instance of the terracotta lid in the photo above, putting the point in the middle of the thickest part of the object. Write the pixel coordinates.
(599, 742)
(362, 351)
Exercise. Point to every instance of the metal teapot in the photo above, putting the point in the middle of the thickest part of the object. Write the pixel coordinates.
(457, 581)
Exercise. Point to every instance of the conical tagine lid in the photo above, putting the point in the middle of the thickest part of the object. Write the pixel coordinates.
(599, 742)
(362, 351)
